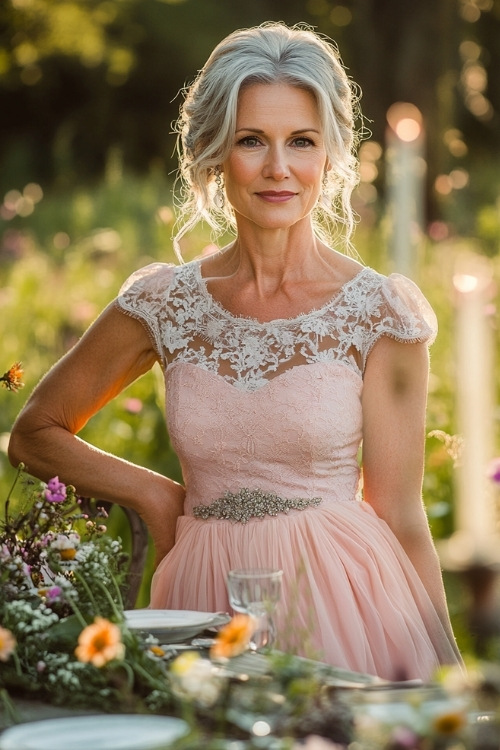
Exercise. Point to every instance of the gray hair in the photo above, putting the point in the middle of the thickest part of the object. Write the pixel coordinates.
(270, 53)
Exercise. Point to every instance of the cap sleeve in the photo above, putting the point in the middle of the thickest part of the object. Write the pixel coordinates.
(144, 295)
(398, 309)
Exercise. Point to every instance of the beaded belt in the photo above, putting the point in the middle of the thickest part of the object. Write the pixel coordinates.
(245, 504)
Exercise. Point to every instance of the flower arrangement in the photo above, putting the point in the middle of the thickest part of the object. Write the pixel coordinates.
(62, 633)
(63, 638)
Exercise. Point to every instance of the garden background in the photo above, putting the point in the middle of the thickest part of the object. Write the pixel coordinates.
(88, 93)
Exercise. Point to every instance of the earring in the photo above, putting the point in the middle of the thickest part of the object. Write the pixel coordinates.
(324, 198)
(219, 198)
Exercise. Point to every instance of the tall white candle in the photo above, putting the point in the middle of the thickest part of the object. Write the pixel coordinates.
(405, 174)
(475, 537)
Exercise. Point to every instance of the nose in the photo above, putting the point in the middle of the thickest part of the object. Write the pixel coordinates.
(276, 164)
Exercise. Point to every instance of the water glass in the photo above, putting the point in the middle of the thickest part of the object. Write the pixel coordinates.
(256, 592)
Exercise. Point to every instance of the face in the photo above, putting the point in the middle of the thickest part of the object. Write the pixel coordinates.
(274, 172)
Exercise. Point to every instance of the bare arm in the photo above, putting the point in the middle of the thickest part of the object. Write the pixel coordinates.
(113, 353)
(394, 405)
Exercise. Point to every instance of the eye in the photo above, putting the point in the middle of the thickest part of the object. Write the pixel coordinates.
(249, 141)
(302, 142)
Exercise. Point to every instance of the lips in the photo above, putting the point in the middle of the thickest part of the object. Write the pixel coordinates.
(276, 196)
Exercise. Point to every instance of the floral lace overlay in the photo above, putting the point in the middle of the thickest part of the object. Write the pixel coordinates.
(187, 324)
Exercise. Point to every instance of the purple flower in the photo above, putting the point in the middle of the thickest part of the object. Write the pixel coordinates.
(54, 593)
(55, 491)
(46, 539)
(404, 738)
(494, 470)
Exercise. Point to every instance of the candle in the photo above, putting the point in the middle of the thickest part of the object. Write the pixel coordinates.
(406, 170)
(475, 536)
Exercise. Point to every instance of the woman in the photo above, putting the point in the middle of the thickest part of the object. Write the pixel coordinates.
(281, 356)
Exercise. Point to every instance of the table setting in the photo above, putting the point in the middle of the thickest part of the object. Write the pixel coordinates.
(78, 669)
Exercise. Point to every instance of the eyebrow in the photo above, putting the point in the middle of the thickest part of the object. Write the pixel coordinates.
(294, 132)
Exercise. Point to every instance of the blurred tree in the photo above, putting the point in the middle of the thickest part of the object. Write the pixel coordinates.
(80, 79)
(436, 54)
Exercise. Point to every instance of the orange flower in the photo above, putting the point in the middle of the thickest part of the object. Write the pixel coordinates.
(233, 638)
(449, 723)
(12, 379)
(7, 644)
(99, 643)
(68, 554)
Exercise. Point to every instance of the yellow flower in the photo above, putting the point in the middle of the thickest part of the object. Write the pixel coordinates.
(99, 643)
(157, 651)
(68, 554)
(7, 644)
(233, 638)
(183, 664)
(12, 379)
(449, 723)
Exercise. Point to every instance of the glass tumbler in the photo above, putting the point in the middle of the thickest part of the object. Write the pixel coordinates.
(256, 592)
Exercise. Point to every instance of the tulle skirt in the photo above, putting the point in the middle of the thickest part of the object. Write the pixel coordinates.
(350, 597)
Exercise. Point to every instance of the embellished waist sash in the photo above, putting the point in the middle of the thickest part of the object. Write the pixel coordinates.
(244, 504)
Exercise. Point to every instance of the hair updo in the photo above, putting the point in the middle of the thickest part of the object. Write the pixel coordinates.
(270, 53)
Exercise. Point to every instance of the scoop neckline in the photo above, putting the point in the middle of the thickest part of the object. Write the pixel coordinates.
(275, 321)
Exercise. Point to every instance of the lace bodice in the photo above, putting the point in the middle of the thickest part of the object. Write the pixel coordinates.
(187, 324)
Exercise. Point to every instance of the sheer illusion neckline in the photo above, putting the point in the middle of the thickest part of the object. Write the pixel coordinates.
(202, 284)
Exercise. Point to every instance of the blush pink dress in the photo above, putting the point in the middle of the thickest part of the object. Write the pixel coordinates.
(275, 408)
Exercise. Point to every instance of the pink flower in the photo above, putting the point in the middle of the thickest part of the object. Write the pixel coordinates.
(494, 470)
(54, 593)
(405, 738)
(55, 491)
(133, 405)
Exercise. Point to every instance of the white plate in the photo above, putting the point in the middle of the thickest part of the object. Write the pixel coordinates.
(127, 732)
(172, 625)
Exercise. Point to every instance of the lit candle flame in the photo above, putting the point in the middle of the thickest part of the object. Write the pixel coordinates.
(408, 129)
(465, 282)
(405, 119)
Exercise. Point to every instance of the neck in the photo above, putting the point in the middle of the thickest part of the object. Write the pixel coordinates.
(274, 253)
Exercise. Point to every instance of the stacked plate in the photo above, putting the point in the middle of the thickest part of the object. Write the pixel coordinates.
(172, 625)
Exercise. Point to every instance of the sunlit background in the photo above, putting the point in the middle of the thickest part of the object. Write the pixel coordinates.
(89, 90)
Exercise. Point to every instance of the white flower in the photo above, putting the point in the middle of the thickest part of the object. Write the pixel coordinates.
(66, 541)
(195, 678)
